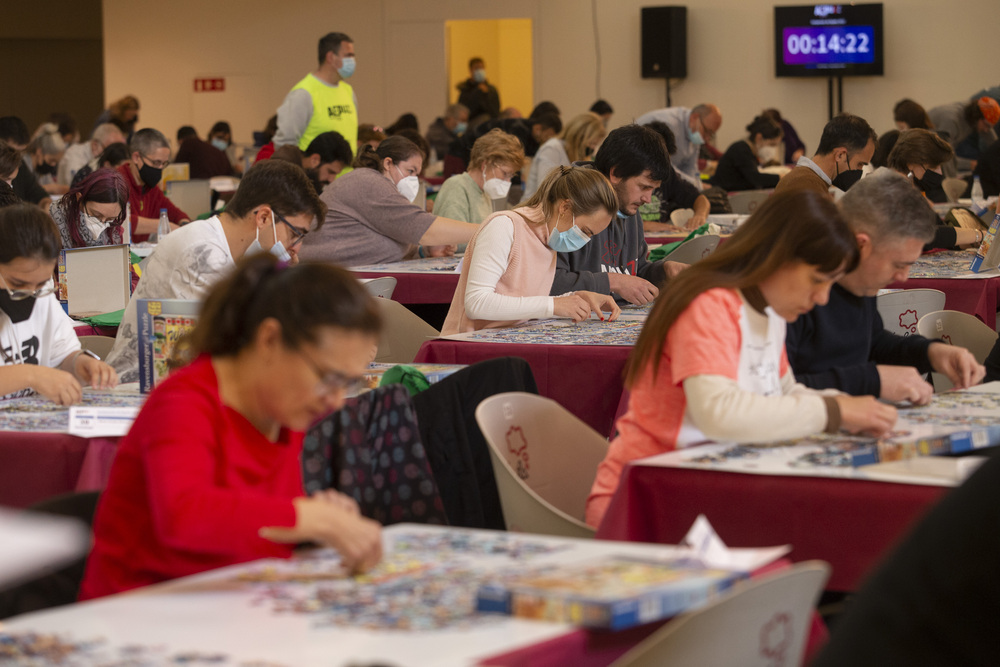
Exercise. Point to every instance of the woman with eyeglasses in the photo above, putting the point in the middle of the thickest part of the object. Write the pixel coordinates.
(39, 350)
(372, 218)
(92, 213)
(210, 474)
(273, 209)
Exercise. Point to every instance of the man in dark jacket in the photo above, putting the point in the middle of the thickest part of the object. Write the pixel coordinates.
(478, 95)
(635, 160)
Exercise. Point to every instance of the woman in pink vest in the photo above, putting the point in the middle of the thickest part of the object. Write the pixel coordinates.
(510, 262)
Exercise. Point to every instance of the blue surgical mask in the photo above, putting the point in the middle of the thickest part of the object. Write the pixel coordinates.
(347, 69)
(695, 137)
(622, 216)
(278, 249)
(220, 144)
(461, 127)
(569, 241)
(479, 75)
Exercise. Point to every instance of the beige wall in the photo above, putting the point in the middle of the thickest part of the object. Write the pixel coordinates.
(936, 53)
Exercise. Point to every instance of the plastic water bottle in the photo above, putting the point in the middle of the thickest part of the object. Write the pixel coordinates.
(978, 201)
(163, 228)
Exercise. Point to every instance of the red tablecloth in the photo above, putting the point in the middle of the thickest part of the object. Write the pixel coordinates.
(36, 466)
(584, 379)
(419, 287)
(977, 297)
(91, 330)
(848, 523)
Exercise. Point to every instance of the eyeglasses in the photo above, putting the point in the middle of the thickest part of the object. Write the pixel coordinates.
(710, 134)
(100, 218)
(297, 233)
(156, 164)
(21, 294)
(333, 381)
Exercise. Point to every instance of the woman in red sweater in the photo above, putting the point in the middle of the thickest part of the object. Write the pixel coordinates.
(209, 474)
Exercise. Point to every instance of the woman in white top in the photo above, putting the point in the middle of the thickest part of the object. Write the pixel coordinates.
(509, 264)
(39, 350)
(578, 141)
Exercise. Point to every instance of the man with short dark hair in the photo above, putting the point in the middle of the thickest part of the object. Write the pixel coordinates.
(326, 156)
(635, 160)
(478, 95)
(273, 209)
(14, 133)
(149, 155)
(842, 343)
(323, 100)
(847, 145)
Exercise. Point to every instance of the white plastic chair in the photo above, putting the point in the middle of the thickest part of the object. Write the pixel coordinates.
(381, 288)
(402, 333)
(902, 309)
(544, 460)
(960, 329)
(691, 251)
(747, 201)
(761, 623)
(99, 345)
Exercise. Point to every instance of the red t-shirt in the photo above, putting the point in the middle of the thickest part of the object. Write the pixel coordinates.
(147, 203)
(191, 484)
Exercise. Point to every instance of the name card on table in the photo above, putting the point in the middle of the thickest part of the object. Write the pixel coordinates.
(95, 422)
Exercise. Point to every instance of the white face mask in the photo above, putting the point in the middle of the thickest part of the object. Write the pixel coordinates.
(408, 186)
(768, 154)
(278, 249)
(93, 225)
(495, 188)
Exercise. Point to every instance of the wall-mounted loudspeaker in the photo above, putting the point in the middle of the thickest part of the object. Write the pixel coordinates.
(664, 42)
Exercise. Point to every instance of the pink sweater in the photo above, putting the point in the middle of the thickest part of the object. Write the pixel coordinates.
(530, 270)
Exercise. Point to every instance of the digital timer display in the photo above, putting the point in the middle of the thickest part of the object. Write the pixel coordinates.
(829, 40)
(829, 45)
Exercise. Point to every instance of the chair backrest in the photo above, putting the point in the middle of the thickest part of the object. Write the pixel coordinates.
(381, 288)
(747, 201)
(691, 251)
(544, 461)
(402, 333)
(761, 623)
(960, 329)
(99, 345)
(902, 309)
(954, 188)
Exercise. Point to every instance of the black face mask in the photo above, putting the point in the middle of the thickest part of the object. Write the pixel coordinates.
(45, 169)
(17, 311)
(846, 179)
(150, 175)
(931, 185)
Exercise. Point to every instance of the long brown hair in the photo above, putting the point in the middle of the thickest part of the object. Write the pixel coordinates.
(587, 190)
(801, 226)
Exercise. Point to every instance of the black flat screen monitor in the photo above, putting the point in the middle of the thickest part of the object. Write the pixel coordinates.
(828, 40)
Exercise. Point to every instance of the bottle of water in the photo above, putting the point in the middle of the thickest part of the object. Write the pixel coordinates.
(163, 228)
(978, 201)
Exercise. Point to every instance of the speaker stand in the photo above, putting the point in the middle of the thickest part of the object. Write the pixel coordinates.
(668, 92)
(829, 95)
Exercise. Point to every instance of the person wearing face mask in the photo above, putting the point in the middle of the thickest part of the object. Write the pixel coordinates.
(496, 157)
(448, 128)
(842, 344)
(39, 350)
(323, 100)
(739, 168)
(921, 156)
(371, 218)
(42, 157)
(85, 153)
(510, 263)
(578, 141)
(273, 209)
(478, 95)
(847, 145)
(204, 159)
(93, 212)
(149, 153)
(221, 136)
(692, 129)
